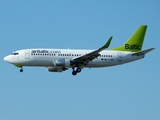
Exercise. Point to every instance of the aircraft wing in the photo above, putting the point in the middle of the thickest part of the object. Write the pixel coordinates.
(143, 52)
(92, 55)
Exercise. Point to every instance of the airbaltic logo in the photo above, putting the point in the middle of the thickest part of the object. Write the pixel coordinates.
(132, 47)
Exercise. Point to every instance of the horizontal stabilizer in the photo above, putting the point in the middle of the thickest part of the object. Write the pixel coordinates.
(143, 52)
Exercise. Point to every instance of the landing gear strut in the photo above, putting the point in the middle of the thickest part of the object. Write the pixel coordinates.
(21, 70)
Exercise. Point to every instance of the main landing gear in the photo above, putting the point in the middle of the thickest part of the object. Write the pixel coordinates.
(78, 70)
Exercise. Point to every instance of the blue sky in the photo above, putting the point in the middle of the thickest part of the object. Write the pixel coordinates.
(125, 92)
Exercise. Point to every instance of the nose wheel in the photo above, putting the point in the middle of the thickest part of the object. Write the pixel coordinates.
(21, 70)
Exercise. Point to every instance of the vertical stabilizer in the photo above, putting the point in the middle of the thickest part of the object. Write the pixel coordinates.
(135, 42)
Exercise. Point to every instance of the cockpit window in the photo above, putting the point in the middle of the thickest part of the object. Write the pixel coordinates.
(15, 53)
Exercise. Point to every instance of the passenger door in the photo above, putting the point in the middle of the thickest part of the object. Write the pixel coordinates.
(27, 55)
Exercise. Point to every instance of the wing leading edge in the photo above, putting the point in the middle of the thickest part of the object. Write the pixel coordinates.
(83, 60)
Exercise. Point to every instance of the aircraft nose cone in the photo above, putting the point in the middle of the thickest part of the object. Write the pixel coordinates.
(6, 59)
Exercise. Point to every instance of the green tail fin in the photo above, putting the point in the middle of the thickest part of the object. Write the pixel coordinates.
(135, 42)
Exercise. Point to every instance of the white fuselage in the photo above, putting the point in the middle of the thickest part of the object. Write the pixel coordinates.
(46, 57)
(59, 60)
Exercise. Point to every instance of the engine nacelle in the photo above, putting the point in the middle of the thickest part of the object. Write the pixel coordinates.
(56, 69)
(62, 62)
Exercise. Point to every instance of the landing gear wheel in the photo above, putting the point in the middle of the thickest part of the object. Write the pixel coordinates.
(78, 70)
(21, 70)
(74, 72)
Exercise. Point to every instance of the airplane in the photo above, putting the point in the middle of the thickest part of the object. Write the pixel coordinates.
(59, 60)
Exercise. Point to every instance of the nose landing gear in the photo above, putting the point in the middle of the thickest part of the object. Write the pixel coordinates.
(21, 70)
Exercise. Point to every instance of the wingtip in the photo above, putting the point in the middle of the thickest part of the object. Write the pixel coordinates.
(152, 48)
(110, 38)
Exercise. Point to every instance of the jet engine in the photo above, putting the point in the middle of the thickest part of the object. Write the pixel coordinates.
(62, 62)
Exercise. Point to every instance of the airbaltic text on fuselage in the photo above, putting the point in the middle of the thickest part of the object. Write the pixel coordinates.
(46, 51)
(132, 47)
